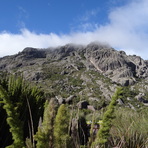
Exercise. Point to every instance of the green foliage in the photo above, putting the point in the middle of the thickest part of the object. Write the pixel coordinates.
(44, 136)
(130, 129)
(103, 133)
(75, 81)
(23, 106)
(52, 72)
(61, 135)
(91, 138)
(127, 92)
(28, 143)
(12, 119)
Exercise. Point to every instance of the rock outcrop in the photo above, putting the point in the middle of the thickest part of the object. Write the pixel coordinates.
(116, 65)
(92, 71)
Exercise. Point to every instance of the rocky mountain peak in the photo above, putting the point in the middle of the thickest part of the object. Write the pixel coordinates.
(91, 72)
(30, 52)
(113, 64)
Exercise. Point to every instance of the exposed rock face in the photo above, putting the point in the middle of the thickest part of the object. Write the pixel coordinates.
(25, 58)
(33, 53)
(73, 70)
(141, 97)
(116, 65)
(141, 66)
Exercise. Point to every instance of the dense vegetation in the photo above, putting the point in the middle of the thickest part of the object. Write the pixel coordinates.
(20, 108)
(29, 118)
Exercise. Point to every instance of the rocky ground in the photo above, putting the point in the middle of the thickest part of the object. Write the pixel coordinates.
(90, 74)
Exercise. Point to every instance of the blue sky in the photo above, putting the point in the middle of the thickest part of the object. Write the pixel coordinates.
(44, 23)
(58, 16)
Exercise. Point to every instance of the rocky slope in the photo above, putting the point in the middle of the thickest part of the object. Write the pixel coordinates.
(89, 72)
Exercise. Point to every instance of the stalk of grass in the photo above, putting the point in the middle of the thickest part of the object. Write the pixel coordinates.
(130, 129)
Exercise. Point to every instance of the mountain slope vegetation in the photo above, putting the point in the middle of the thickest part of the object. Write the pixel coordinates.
(82, 80)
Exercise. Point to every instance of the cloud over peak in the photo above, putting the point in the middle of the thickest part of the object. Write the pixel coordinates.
(126, 29)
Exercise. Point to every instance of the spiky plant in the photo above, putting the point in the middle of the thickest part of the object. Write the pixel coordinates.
(61, 136)
(103, 133)
(44, 136)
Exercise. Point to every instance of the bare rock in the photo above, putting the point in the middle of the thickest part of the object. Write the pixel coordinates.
(33, 53)
(120, 101)
(140, 97)
(131, 106)
(69, 100)
(90, 107)
(60, 100)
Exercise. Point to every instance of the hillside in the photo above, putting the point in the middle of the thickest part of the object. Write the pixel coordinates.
(90, 73)
(73, 96)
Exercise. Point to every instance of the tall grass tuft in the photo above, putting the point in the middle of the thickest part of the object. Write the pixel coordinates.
(130, 129)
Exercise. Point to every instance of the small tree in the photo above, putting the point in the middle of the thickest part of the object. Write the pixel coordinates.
(62, 138)
(103, 133)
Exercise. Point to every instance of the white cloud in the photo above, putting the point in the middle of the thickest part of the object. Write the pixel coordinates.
(127, 29)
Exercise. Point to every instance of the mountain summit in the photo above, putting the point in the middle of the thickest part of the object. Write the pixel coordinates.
(116, 65)
(92, 71)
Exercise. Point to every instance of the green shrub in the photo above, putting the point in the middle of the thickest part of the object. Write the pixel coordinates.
(61, 126)
(103, 133)
(44, 136)
(130, 129)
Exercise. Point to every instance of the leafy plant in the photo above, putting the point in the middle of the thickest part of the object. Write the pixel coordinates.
(103, 133)
(62, 138)
(20, 102)
(130, 129)
(44, 136)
